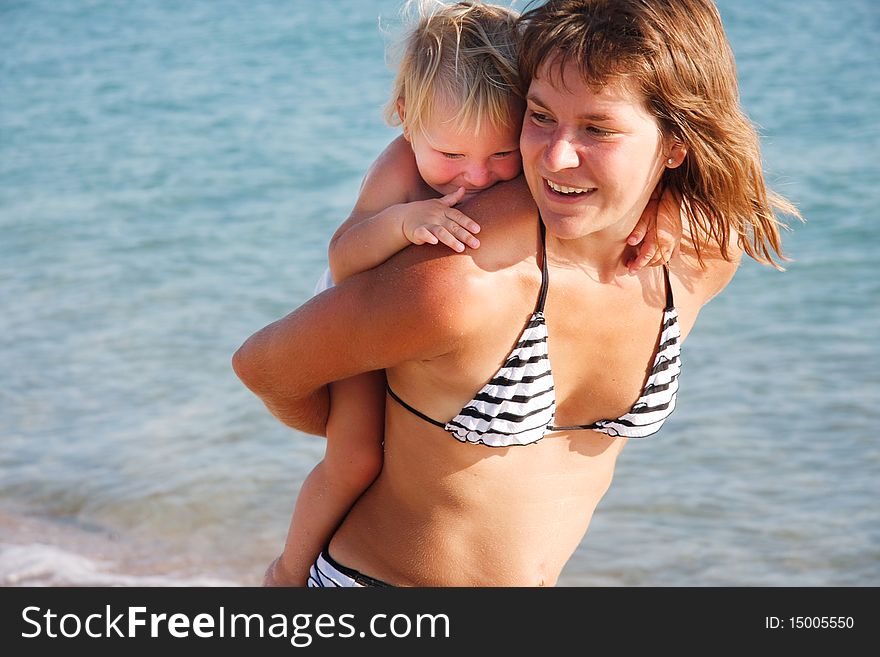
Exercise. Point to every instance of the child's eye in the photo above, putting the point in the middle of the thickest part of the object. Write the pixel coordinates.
(453, 156)
(501, 154)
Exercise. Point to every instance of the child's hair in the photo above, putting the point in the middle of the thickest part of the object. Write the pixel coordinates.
(677, 55)
(463, 55)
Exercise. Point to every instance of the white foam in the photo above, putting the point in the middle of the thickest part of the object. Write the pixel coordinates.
(39, 564)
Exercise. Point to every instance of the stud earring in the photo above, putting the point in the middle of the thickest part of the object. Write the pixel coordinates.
(669, 161)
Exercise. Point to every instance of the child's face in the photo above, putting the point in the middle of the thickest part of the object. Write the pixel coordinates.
(450, 156)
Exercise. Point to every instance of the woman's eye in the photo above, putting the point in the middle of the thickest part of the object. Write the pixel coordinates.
(539, 118)
(599, 132)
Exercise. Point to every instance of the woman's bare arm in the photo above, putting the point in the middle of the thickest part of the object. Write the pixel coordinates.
(397, 312)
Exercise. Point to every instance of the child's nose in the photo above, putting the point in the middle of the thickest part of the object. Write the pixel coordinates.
(478, 176)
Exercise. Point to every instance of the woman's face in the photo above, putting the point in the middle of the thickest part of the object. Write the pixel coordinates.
(591, 157)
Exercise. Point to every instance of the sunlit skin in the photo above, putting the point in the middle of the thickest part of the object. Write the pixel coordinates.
(445, 513)
(408, 197)
(602, 146)
(616, 154)
(449, 155)
(440, 325)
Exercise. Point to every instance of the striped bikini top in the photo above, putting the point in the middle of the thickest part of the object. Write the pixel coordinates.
(517, 406)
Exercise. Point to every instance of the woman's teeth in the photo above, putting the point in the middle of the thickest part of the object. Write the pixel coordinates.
(562, 189)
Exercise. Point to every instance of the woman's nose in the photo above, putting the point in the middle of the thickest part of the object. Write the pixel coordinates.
(560, 154)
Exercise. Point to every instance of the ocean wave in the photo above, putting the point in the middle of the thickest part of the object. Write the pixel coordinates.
(39, 564)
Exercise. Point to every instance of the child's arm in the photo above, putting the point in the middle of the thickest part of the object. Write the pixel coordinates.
(659, 230)
(394, 209)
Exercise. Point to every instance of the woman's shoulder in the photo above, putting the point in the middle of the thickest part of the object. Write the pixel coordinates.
(452, 287)
(508, 220)
(503, 202)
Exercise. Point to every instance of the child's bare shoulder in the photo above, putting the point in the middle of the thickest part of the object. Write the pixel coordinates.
(396, 166)
(396, 154)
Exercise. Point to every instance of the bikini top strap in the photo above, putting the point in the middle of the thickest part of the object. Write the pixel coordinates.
(412, 410)
(670, 302)
(545, 275)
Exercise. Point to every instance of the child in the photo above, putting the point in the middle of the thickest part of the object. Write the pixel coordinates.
(456, 97)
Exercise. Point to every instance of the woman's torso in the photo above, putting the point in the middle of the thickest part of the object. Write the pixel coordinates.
(443, 513)
(448, 513)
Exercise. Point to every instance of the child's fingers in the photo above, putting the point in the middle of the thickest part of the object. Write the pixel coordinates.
(461, 228)
(461, 219)
(641, 229)
(658, 259)
(446, 237)
(453, 197)
(422, 235)
(463, 235)
(638, 263)
(667, 240)
(635, 237)
(647, 253)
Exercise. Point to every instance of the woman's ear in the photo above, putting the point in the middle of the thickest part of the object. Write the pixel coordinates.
(675, 154)
(401, 114)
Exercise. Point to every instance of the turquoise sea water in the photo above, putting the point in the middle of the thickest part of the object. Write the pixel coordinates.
(170, 174)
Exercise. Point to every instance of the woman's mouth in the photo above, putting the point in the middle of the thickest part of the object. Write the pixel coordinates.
(567, 191)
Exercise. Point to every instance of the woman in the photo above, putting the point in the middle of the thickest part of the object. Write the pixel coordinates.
(517, 372)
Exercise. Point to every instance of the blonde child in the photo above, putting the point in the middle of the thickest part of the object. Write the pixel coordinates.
(456, 97)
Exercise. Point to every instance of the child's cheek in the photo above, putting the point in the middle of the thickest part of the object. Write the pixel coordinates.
(447, 170)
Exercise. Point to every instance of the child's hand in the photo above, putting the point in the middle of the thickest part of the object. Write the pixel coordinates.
(660, 228)
(435, 220)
